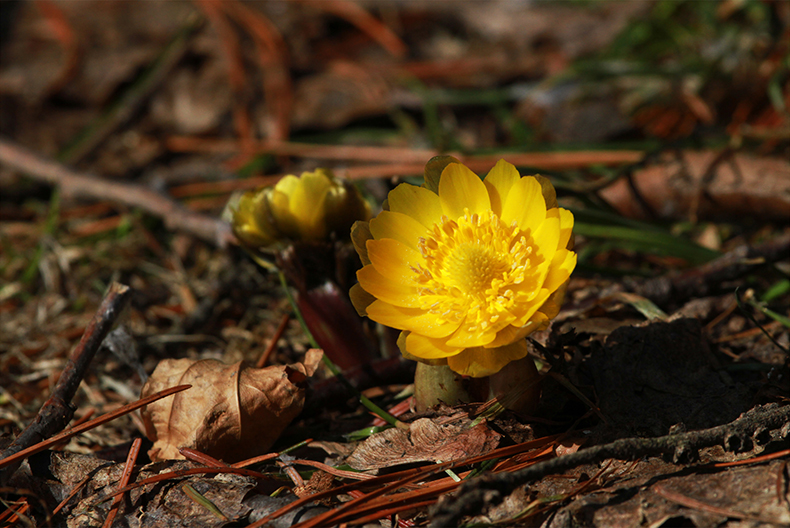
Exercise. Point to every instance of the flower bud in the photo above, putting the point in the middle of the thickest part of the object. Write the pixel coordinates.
(307, 208)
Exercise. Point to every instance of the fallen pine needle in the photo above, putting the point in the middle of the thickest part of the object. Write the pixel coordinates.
(127, 474)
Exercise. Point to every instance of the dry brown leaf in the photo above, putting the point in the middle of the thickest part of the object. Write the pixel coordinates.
(569, 446)
(743, 185)
(345, 92)
(340, 449)
(424, 441)
(231, 412)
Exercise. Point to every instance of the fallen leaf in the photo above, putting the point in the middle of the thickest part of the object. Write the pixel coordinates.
(335, 97)
(333, 448)
(424, 441)
(569, 446)
(230, 413)
(319, 481)
(741, 186)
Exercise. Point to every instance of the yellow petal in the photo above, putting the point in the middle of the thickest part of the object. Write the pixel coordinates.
(509, 334)
(499, 182)
(307, 204)
(560, 269)
(417, 202)
(529, 309)
(549, 194)
(480, 362)
(394, 260)
(398, 226)
(433, 171)
(538, 321)
(546, 238)
(566, 229)
(551, 307)
(387, 290)
(282, 217)
(544, 243)
(251, 220)
(525, 204)
(402, 346)
(465, 338)
(343, 206)
(287, 184)
(429, 348)
(360, 234)
(360, 299)
(412, 319)
(557, 274)
(461, 189)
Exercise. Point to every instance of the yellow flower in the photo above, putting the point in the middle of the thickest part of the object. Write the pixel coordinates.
(466, 268)
(307, 208)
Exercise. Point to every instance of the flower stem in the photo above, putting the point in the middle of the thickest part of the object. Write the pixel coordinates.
(364, 400)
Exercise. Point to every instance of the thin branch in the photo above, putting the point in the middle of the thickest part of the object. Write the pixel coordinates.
(57, 411)
(174, 215)
(493, 488)
(414, 159)
(87, 426)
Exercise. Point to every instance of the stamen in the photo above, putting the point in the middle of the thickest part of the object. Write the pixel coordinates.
(470, 267)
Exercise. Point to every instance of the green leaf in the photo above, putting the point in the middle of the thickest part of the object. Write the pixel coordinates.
(647, 241)
(777, 290)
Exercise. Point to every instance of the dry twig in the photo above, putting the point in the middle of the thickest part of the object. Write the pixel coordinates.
(12, 460)
(413, 158)
(57, 411)
(174, 215)
(493, 488)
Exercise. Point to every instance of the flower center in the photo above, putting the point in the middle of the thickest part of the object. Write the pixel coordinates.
(477, 271)
(473, 266)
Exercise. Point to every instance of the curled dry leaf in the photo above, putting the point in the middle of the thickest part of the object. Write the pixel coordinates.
(425, 440)
(569, 446)
(231, 412)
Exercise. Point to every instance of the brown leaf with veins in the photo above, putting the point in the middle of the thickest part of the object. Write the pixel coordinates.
(230, 413)
(425, 440)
